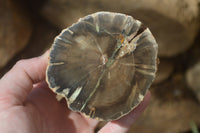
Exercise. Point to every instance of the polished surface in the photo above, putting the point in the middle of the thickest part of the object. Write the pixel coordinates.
(103, 64)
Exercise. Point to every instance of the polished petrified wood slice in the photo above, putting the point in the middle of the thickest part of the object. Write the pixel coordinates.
(103, 64)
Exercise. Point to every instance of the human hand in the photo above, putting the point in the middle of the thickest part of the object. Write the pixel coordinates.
(27, 105)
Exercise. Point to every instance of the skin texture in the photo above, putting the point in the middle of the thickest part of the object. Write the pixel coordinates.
(27, 105)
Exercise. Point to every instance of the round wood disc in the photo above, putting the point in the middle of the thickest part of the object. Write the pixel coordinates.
(103, 64)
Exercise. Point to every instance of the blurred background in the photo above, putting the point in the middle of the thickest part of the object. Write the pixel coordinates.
(28, 28)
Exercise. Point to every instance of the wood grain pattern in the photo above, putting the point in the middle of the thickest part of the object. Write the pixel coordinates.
(106, 62)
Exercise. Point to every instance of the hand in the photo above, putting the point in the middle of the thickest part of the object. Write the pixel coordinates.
(27, 105)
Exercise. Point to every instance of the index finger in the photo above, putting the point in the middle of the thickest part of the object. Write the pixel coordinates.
(16, 84)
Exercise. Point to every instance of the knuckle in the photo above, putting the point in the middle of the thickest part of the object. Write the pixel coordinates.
(20, 63)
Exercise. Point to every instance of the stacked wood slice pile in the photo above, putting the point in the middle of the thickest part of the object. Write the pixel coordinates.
(27, 29)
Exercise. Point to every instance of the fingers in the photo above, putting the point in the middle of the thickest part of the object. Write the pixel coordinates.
(18, 82)
(91, 122)
(122, 125)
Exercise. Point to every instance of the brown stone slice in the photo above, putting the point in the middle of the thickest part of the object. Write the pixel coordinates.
(103, 64)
